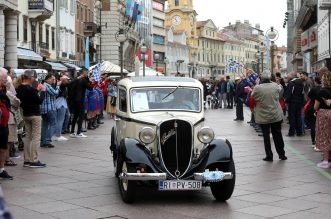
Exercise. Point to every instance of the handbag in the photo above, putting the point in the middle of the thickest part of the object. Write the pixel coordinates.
(113, 101)
(307, 106)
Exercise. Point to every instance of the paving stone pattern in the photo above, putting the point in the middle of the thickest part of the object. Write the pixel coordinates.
(79, 182)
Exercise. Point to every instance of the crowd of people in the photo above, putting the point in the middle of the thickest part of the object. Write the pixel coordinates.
(46, 109)
(302, 100)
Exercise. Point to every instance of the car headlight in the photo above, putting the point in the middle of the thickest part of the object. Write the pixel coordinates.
(147, 135)
(206, 135)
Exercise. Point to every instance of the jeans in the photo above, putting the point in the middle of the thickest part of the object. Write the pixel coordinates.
(48, 127)
(32, 130)
(222, 98)
(60, 115)
(276, 131)
(66, 121)
(229, 97)
(295, 118)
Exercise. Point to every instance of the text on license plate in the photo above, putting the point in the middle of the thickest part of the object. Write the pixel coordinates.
(180, 185)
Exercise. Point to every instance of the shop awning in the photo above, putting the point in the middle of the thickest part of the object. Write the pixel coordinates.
(23, 53)
(70, 65)
(56, 66)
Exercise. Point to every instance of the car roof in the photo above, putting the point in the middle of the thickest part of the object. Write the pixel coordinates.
(159, 81)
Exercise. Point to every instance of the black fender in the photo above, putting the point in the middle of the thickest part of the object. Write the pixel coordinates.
(220, 151)
(133, 152)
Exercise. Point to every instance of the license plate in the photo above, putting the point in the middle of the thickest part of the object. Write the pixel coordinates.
(173, 185)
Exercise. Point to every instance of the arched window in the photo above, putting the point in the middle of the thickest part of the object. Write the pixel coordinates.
(176, 2)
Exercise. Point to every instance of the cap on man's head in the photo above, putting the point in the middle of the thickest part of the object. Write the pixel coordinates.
(237, 78)
(82, 70)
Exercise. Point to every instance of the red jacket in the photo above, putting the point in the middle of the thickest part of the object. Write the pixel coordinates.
(4, 114)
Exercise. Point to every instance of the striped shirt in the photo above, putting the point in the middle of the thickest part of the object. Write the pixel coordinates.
(48, 104)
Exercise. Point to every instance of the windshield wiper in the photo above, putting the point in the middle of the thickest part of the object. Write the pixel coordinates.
(173, 91)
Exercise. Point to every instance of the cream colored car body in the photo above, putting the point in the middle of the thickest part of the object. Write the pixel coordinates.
(129, 124)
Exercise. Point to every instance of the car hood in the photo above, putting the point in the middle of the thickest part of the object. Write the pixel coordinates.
(157, 118)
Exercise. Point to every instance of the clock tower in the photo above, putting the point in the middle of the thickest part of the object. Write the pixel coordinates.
(181, 16)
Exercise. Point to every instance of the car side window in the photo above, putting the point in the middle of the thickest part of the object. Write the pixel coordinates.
(122, 100)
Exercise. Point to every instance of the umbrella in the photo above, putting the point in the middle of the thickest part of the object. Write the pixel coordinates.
(148, 72)
(110, 68)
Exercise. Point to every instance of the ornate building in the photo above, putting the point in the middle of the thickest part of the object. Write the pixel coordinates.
(181, 16)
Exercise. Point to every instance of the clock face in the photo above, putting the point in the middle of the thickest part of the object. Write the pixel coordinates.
(176, 20)
(191, 20)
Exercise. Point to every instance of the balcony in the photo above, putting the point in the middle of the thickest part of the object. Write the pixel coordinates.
(41, 48)
(90, 28)
(325, 4)
(40, 10)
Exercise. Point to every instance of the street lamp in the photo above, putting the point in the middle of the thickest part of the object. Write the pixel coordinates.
(273, 35)
(98, 4)
(121, 37)
(143, 50)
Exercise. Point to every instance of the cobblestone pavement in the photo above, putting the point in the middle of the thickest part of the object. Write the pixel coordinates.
(79, 182)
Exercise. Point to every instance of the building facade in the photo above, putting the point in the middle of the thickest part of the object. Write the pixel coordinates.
(8, 33)
(210, 50)
(159, 35)
(177, 53)
(324, 35)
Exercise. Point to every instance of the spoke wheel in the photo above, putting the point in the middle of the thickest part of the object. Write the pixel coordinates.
(127, 187)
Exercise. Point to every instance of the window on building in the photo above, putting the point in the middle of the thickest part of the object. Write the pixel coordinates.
(77, 44)
(199, 57)
(53, 38)
(158, 22)
(176, 2)
(72, 7)
(81, 18)
(25, 29)
(86, 15)
(78, 11)
(203, 57)
(158, 39)
(158, 6)
(47, 36)
(40, 32)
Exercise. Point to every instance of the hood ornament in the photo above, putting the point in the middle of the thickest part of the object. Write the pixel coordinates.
(165, 137)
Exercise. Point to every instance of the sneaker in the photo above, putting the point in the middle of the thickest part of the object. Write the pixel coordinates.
(81, 135)
(26, 164)
(324, 164)
(37, 164)
(47, 146)
(61, 138)
(73, 135)
(5, 175)
(316, 149)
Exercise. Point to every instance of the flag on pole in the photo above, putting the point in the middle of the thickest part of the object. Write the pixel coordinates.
(87, 54)
(96, 72)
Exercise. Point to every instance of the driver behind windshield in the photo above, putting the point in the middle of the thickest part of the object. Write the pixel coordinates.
(183, 99)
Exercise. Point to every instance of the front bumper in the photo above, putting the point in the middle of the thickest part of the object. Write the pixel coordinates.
(208, 176)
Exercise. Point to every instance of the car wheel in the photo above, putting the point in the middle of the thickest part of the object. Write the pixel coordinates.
(113, 146)
(223, 190)
(127, 187)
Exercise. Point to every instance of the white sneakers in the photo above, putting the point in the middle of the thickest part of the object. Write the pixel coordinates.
(324, 164)
(81, 135)
(61, 138)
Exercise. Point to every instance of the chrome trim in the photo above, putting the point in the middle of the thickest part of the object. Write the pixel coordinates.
(201, 177)
(143, 176)
(159, 145)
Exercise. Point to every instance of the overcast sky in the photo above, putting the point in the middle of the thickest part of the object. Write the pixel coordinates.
(265, 12)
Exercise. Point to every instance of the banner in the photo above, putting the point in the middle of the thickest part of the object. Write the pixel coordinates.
(87, 54)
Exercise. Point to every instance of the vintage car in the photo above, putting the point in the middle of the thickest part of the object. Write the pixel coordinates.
(160, 139)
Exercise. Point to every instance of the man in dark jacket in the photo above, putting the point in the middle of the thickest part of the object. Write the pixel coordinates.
(76, 98)
(30, 103)
(240, 99)
(295, 100)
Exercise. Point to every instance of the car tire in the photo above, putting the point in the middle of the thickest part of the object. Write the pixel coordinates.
(128, 187)
(223, 190)
(113, 147)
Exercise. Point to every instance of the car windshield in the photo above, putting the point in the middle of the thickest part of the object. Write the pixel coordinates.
(165, 99)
